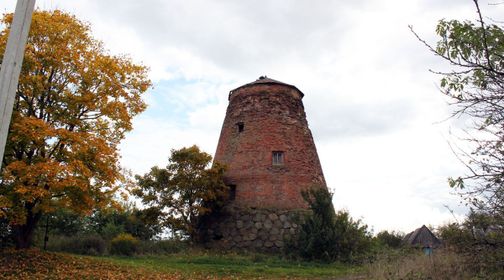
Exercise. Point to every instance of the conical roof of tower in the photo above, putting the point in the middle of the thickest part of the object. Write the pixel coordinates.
(265, 80)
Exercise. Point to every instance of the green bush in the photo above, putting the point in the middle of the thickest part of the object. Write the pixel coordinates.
(455, 234)
(390, 239)
(111, 230)
(161, 247)
(84, 245)
(479, 228)
(124, 244)
(328, 236)
(480, 240)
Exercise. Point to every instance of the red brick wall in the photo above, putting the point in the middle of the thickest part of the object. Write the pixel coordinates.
(274, 120)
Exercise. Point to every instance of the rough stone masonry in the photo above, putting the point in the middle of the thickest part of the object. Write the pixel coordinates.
(270, 156)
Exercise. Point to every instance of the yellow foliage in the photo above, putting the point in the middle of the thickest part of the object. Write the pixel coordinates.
(125, 237)
(73, 105)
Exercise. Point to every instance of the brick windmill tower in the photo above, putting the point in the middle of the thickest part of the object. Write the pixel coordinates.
(270, 156)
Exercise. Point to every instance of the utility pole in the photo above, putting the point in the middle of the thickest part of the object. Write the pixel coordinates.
(11, 66)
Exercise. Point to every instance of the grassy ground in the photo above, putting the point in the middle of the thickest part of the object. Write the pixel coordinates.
(238, 266)
(35, 264)
(443, 264)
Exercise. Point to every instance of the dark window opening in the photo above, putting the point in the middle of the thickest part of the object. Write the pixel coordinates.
(278, 158)
(240, 126)
(232, 192)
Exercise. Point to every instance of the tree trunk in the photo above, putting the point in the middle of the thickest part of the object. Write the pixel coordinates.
(23, 234)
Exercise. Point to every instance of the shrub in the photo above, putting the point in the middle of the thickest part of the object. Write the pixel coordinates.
(353, 241)
(328, 236)
(111, 230)
(83, 245)
(413, 264)
(160, 247)
(124, 244)
(390, 239)
(455, 235)
(482, 248)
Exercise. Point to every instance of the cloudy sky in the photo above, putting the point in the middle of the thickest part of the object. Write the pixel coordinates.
(375, 111)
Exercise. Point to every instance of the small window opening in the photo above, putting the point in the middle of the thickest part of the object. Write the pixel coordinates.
(278, 158)
(232, 192)
(240, 126)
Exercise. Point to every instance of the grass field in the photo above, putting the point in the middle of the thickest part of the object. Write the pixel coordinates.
(241, 266)
(35, 264)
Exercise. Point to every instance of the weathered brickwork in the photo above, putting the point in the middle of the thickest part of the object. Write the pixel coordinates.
(269, 151)
(273, 119)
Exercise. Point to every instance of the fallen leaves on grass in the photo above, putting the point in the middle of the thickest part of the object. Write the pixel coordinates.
(34, 264)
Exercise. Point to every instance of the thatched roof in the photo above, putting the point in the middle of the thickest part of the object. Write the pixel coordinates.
(422, 237)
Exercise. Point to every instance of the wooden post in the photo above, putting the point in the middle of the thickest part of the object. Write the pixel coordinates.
(46, 236)
(11, 66)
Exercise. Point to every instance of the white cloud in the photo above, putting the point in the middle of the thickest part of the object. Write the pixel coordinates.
(371, 103)
(150, 142)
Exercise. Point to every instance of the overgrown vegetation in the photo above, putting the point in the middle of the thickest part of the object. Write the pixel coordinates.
(91, 244)
(413, 264)
(391, 239)
(124, 244)
(480, 247)
(328, 236)
(92, 235)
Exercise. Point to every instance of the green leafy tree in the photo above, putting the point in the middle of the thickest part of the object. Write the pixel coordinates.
(475, 84)
(329, 236)
(143, 223)
(65, 222)
(73, 105)
(185, 190)
(475, 50)
(108, 223)
(391, 239)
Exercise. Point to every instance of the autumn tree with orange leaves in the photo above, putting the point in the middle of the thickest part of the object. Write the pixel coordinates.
(73, 105)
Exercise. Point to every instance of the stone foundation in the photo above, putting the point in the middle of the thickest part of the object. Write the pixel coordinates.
(253, 229)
